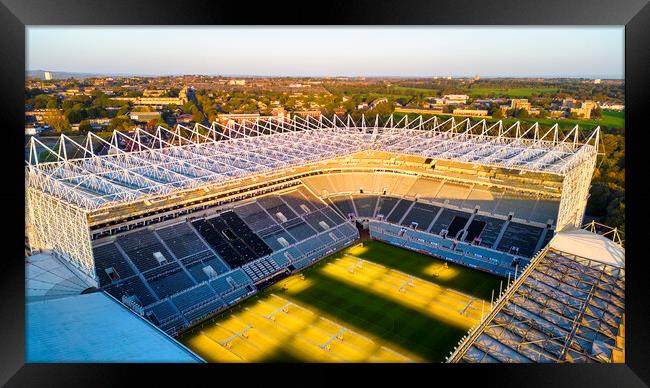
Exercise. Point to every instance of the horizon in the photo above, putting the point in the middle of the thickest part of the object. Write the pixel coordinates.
(92, 75)
(375, 52)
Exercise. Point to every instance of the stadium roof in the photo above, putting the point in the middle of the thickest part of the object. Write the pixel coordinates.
(95, 328)
(49, 277)
(584, 243)
(564, 307)
(141, 165)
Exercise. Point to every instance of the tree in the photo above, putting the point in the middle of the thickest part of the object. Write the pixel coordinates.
(58, 122)
(543, 113)
(84, 126)
(497, 113)
(74, 115)
(597, 112)
(52, 104)
(198, 117)
(122, 123)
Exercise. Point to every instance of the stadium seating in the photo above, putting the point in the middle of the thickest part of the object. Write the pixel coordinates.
(299, 229)
(318, 221)
(523, 237)
(544, 210)
(181, 240)
(168, 280)
(344, 205)
(133, 286)
(489, 232)
(196, 263)
(486, 200)
(108, 256)
(453, 193)
(520, 205)
(421, 216)
(365, 205)
(255, 217)
(276, 238)
(425, 188)
(300, 204)
(140, 246)
(477, 257)
(399, 210)
(195, 299)
(386, 205)
(232, 239)
(261, 269)
(445, 220)
(163, 312)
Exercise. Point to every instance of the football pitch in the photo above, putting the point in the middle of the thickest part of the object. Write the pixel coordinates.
(367, 303)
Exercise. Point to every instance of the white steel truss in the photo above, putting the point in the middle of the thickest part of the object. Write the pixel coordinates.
(135, 166)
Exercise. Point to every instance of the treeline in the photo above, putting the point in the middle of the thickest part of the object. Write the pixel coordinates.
(607, 194)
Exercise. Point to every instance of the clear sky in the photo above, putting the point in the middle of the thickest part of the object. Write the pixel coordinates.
(592, 52)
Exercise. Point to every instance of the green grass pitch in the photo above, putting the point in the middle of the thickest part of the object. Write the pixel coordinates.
(383, 319)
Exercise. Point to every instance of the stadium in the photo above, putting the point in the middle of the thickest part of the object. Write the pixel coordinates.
(321, 240)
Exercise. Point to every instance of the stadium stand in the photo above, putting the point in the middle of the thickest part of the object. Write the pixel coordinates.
(188, 270)
(484, 259)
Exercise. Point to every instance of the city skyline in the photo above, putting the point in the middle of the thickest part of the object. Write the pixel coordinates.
(548, 52)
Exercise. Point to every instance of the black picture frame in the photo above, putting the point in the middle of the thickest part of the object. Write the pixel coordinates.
(15, 15)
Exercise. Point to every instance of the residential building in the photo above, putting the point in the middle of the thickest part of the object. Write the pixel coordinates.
(452, 99)
(612, 106)
(144, 117)
(43, 114)
(377, 102)
(585, 110)
(568, 103)
(471, 112)
(231, 118)
(419, 111)
(153, 93)
(520, 103)
(154, 101)
(280, 115)
(307, 113)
